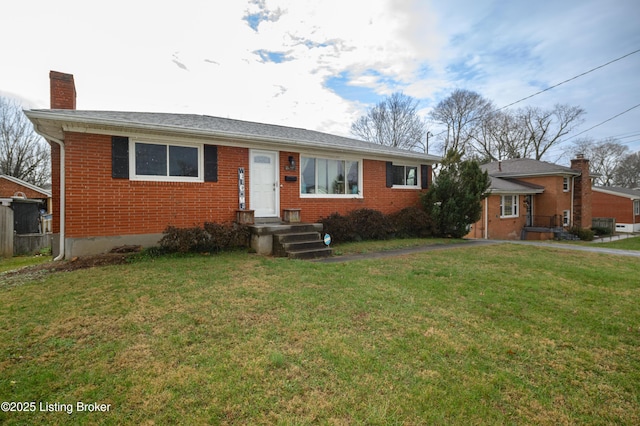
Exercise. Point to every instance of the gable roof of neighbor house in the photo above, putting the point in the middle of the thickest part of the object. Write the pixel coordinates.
(632, 194)
(52, 122)
(27, 185)
(523, 167)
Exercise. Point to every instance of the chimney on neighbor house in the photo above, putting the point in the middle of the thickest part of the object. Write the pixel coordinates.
(62, 90)
(499, 165)
(582, 193)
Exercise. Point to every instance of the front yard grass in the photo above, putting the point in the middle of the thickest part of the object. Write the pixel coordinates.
(632, 243)
(16, 262)
(500, 334)
(386, 245)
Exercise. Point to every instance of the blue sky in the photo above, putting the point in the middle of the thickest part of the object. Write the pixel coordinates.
(320, 65)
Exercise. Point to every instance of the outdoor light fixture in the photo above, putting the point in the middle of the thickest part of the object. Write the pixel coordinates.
(292, 164)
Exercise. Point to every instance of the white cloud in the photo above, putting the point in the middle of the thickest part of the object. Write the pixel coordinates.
(221, 59)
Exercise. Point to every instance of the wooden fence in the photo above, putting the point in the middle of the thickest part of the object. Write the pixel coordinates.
(604, 223)
(6, 231)
(12, 244)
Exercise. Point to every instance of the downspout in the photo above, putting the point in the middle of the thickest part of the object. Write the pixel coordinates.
(62, 190)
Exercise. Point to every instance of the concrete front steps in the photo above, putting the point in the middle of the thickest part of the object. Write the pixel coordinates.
(296, 241)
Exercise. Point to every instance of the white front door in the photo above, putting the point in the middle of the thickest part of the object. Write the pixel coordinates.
(264, 184)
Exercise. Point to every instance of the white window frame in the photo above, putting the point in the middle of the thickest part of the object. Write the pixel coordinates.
(566, 218)
(636, 207)
(515, 207)
(418, 177)
(566, 185)
(331, 158)
(165, 178)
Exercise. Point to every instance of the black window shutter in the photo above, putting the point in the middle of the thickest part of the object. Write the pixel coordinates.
(119, 157)
(389, 174)
(210, 163)
(425, 173)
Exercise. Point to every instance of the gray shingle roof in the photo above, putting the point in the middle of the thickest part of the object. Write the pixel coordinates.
(223, 127)
(520, 167)
(513, 186)
(616, 190)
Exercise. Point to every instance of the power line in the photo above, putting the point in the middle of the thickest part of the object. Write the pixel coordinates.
(568, 80)
(605, 121)
(561, 83)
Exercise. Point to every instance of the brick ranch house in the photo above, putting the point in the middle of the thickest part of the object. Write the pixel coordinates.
(623, 204)
(535, 200)
(121, 178)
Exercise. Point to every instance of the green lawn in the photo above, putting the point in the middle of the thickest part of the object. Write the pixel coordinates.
(10, 263)
(501, 334)
(626, 244)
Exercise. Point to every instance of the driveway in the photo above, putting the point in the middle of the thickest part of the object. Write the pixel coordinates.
(590, 249)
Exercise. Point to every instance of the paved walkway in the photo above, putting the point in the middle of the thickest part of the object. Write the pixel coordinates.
(474, 243)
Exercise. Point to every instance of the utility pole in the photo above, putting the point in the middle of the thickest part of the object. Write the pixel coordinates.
(427, 147)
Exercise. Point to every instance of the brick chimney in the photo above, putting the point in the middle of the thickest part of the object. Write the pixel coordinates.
(63, 90)
(582, 193)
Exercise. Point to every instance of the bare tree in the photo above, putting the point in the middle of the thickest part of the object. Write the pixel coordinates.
(501, 135)
(546, 128)
(604, 157)
(627, 174)
(462, 113)
(23, 154)
(392, 122)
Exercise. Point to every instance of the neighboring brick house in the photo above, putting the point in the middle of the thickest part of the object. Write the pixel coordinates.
(530, 199)
(13, 187)
(622, 204)
(30, 205)
(123, 177)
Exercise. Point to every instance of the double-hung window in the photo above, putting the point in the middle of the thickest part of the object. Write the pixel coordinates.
(565, 184)
(405, 176)
(329, 177)
(566, 217)
(166, 162)
(509, 206)
(636, 207)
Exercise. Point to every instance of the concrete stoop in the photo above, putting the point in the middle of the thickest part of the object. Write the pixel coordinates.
(296, 241)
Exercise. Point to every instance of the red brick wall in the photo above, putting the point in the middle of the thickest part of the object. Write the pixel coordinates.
(607, 205)
(499, 228)
(375, 193)
(553, 201)
(8, 189)
(98, 205)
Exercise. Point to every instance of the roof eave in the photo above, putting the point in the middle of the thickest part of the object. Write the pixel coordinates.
(48, 121)
(519, 192)
(27, 185)
(616, 193)
(535, 174)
